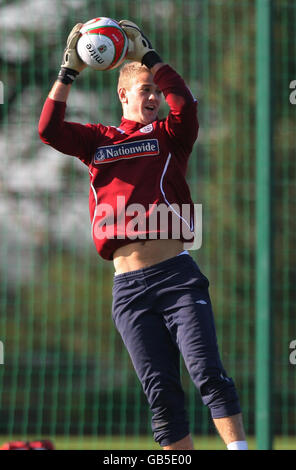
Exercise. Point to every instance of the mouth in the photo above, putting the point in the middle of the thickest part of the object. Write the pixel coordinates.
(150, 108)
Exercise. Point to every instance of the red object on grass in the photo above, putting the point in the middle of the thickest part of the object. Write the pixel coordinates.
(43, 444)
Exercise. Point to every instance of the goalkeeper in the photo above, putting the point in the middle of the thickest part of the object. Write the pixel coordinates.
(161, 305)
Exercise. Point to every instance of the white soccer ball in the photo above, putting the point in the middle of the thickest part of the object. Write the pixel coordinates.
(103, 44)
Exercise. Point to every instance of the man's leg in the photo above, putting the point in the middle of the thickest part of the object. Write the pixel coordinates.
(156, 358)
(156, 362)
(184, 444)
(231, 428)
(192, 326)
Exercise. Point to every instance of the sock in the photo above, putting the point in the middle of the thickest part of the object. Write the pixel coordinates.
(237, 445)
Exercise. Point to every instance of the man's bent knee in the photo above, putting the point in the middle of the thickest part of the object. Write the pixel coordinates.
(169, 426)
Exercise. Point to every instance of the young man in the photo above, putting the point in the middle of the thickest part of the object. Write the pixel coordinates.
(161, 305)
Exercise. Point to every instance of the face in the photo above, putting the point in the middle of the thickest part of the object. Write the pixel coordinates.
(141, 100)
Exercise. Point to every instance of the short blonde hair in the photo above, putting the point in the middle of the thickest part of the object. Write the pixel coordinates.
(128, 71)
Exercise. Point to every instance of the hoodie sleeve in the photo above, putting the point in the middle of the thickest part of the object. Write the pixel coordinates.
(181, 123)
(71, 138)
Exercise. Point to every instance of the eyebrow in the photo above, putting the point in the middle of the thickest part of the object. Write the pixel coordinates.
(143, 85)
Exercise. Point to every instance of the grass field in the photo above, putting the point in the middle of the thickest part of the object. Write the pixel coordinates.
(142, 442)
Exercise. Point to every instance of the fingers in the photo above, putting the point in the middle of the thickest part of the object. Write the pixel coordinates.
(131, 49)
(74, 35)
(77, 27)
(71, 59)
(131, 29)
(129, 23)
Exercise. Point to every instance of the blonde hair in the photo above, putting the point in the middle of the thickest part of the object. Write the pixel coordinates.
(128, 71)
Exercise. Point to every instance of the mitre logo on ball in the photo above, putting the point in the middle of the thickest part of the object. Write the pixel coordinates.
(103, 44)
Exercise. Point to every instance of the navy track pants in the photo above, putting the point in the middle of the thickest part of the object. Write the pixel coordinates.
(160, 312)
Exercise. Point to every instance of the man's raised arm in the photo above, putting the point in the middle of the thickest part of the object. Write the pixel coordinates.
(66, 137)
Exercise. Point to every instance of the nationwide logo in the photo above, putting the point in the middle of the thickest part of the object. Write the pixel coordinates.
(139, 148)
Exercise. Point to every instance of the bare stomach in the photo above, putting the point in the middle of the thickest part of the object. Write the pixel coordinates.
(142, 254)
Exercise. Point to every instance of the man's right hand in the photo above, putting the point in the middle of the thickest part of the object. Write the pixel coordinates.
(70, 57)
(71, 65)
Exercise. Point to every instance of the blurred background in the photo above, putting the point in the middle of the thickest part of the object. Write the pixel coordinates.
(66, 375)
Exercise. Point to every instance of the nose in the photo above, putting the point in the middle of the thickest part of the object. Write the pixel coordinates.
(154, 96)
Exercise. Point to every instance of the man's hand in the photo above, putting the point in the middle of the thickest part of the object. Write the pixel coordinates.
(140, 48)
(71, 65)
(70, 57)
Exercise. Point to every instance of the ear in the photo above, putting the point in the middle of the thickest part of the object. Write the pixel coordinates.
(122, 95)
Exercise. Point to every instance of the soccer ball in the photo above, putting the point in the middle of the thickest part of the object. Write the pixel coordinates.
(103, 44)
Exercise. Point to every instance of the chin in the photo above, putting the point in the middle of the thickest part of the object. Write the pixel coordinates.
(148, 121)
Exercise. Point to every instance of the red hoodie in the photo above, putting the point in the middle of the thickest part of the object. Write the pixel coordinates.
(136, 171)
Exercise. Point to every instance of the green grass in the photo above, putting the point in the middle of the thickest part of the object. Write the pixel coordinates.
(142, 442)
